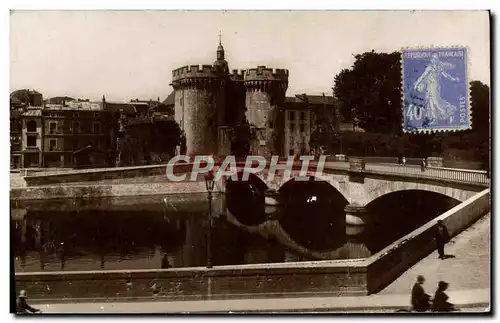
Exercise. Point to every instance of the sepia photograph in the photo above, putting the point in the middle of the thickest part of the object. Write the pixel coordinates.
(250, 161)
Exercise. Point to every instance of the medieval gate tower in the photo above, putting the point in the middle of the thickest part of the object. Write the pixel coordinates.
(209, 99)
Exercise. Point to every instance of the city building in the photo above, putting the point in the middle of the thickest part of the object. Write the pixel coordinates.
(68, 132)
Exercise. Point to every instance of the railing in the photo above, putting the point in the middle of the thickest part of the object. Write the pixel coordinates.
(462, 175)
(468, 176)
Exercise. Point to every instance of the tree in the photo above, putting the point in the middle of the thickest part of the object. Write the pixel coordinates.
(141, 139)
(370, 91)
(324, 132)
(481, 125)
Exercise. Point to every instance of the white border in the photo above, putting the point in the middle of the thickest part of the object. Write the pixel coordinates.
(188, 4)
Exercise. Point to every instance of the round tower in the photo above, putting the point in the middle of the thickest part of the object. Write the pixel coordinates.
(265, 95)
(195, 108)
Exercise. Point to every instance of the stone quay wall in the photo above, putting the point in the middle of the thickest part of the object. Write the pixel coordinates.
(388, 264)
(342, 277)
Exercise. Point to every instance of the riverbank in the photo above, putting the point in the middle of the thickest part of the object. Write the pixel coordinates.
(468, 275)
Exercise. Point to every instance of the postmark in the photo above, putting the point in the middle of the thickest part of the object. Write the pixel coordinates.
(435, 89)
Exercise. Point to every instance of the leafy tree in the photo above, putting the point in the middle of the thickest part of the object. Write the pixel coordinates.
(143, 138)
(481, 125)
(370, 92)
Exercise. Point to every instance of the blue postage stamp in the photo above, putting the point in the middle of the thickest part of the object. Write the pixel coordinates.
(435, 89)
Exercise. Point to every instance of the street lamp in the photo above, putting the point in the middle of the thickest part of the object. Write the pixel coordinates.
(209, 182)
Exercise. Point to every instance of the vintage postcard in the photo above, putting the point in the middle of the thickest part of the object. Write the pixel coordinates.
(169, 161)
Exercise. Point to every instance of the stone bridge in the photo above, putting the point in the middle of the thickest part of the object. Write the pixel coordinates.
(357, 182)
(361, 184)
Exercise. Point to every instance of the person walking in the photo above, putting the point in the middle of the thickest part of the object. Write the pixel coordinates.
(440, 302)
(422, 164)
(442, 237)
(419, 299)
(22, 305)
(165, 264)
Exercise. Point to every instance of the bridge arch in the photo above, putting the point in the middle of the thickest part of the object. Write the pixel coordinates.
(319, 180)
(393, 215)
(377, 188)
(314, 214)
(245, 198)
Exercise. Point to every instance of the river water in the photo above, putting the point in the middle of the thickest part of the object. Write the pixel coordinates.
(144, 232)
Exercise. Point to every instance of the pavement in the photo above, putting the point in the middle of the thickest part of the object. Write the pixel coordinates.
(372, 303)
(470, 269)
(468, 275)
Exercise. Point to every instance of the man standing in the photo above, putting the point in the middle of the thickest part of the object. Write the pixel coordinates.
(419, 299)
(442, 237)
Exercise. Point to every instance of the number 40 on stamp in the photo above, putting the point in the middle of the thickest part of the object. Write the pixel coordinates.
(435, 89)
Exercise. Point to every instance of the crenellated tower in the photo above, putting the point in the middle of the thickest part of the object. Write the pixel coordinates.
(265, 95)
(195, 107)
(210, 101)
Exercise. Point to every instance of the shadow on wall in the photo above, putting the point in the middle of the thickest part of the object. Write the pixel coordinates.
(399, 213)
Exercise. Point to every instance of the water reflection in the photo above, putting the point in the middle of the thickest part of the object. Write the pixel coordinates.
(149, 233)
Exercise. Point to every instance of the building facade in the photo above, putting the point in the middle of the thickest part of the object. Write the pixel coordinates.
(64, 132)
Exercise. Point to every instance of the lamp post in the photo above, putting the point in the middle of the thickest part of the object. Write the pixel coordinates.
(209, 182)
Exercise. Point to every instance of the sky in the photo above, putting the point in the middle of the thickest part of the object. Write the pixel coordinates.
(131, 54)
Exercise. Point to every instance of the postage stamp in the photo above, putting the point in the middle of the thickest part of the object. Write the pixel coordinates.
(435, 89)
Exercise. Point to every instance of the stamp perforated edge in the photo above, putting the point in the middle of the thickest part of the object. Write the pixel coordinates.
(467, 84)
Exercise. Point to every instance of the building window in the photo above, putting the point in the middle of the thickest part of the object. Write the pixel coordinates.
(302, 127)
(31, 126)
(31, 141)
(52, 127)
(76, 115)
(302, 116)
(76, 127)
(96, 127)
(292, 127)
(52, 144)
(291, 115)
(96, 115)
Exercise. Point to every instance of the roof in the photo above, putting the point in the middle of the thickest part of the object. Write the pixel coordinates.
(24, 91)
(75, 105)
(170, 100)
(316, 99)
(32, 113)
(14, 100)
(126, 108)
(59, 99)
